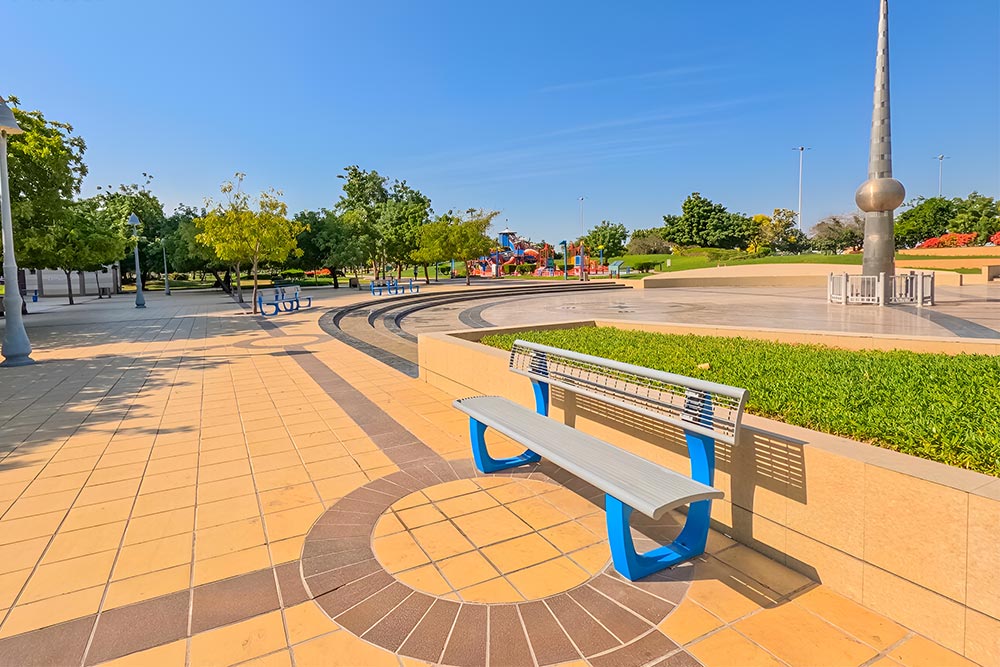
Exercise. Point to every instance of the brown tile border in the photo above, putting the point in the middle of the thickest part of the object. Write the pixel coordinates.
(605, 616)
(139, 626)
(231, 600)
(60, 644)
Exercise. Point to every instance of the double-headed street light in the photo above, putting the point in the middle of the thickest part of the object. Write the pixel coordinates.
(140, 300)
(16, 346)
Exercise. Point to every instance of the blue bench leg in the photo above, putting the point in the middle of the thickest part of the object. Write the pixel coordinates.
(487, 463)
(262, 305)
(632, 565)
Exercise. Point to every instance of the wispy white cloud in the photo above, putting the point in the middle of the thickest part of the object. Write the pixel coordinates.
(671, 73)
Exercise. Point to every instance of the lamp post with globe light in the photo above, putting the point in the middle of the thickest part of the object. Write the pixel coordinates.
(16, 346)
(140, 300)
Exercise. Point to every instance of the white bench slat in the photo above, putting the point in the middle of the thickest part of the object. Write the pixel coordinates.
(643, 485)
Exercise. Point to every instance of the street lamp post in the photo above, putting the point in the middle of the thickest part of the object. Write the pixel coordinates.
(802, 151)
(16, 346)
(565, 260)
(941, 158)
(583, 270)
(140, 300)
(166, 275)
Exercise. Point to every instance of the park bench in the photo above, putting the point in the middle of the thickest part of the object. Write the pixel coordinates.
(281, 298)
(391, 286)
(704, 411)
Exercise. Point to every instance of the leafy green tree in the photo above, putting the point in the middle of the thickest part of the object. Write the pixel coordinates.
(364, 194)
(400, 219)
(46, 169)
(706, 223)
(435, 243)
(976, 213)
(114, 205)
(80, 240)
(926, 218)
(837, 233)
(187, 253)
(648, 242)
(611, 235)
(779, 231)
(242, 231)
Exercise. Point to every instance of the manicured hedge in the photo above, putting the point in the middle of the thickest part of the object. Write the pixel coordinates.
(939, 407)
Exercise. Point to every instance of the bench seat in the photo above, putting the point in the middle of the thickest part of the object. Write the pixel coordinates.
(635, 481)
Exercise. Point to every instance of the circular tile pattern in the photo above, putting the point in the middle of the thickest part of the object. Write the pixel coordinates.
(492, 540)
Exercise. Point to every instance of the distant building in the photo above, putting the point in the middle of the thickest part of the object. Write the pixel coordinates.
(52, 282)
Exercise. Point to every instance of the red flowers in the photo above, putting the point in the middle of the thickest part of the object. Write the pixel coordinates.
(955, 240)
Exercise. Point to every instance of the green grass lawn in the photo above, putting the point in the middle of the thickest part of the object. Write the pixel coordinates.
(694, 259)
(938, 407)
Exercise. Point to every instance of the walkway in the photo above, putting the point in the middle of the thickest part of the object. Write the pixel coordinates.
(190, 485)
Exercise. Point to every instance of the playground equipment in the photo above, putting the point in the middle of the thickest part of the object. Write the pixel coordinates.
(572, 258)
(512, 251)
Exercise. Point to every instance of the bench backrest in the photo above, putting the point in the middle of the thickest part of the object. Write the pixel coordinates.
(289, 291)
(707, 408)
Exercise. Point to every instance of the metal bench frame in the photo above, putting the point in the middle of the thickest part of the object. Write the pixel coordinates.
(282, 300)
(705, 411)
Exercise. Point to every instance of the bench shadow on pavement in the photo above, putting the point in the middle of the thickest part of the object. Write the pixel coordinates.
(762, 460)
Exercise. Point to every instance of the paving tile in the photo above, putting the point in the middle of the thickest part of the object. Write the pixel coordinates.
(173, 654)
(320, 584)
(290, 584)
(60, 643)
(921, 652)
(467, 644)
(146, 586)
(688, 622)
(427, 579)
(50, 611)
(229, 538)
(288, 497)
(168, 480)
(232, 600)
(239, 642)
(507, 640)
(727, 647)
(95, 515)
(590, 638)
(139, 626)
(554, 576)
(441, 540)
(491, 526)
(66, 576)
(227, 488)
(428, 639)
(162, 501)
(18, 530)
(419, 516)
(361, 617)
(519, 553)
(306, 621)
(593, 559)
(392, 630)
(492, 591)
(349, 594)
(640, 652)
(467, 570)
(349, 651)
(289, 549)
(399, 552)
(548, 640)
(871, 628)
(570, 536)
(164, 524)
(797, 636)
(153, 555)
(10, 586)
(291, 522)
(772, 574)
(231, 564)
(619, 621)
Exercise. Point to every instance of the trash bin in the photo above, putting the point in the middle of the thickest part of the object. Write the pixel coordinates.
(34, 296)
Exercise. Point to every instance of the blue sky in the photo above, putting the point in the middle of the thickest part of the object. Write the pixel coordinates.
(518, 106)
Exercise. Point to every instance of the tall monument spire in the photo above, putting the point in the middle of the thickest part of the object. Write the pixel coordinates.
(881, 193)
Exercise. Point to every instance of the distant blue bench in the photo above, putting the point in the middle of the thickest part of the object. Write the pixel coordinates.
(391, 286)
(281, 298)
(703, 411)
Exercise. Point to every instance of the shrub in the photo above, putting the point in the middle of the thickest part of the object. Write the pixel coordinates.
(995, 239)
(939, 407)
(179, 276)
(525, 269)
(293, 273)
(952, 240)
(645, 267)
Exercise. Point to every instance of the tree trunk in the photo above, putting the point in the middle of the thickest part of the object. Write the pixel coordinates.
(97, 277)
(223, 281)
(69, 285)
(254, 295)
(468, 274)
(333, 272)
(239, 285)
(427, 277)
(399, 272)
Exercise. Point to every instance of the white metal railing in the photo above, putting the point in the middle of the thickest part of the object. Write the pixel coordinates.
(905, 288)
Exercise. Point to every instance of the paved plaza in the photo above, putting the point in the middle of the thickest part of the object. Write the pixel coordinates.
(193, 485)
